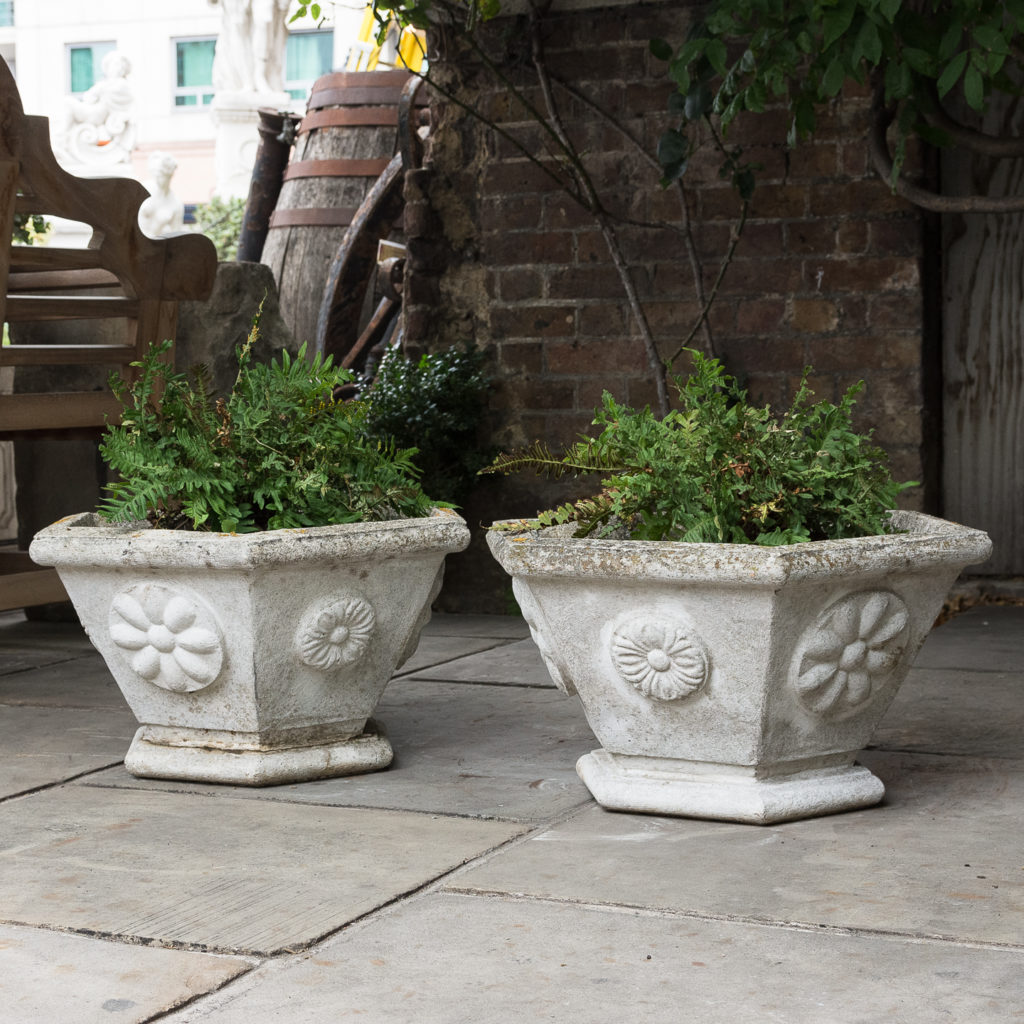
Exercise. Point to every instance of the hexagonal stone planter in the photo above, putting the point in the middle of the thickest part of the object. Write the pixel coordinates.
(253, 659)
(733, 681)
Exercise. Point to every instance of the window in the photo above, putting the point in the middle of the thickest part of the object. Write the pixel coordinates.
(85, 64)
(6, 12)
(194, 72)
(308, 55)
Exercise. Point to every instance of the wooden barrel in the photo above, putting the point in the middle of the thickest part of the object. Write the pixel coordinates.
(344, 143)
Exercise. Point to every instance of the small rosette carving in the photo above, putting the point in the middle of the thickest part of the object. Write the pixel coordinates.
(661, 659)
(336, 634)
(169, 638)
(854, 644)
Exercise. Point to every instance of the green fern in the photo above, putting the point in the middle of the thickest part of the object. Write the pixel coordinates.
(277, 452)
(720, 470)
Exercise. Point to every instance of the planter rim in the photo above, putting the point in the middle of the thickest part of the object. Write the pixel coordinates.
(87, 540)
(552, 552)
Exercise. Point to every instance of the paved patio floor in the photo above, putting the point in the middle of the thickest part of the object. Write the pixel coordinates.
(476, 881)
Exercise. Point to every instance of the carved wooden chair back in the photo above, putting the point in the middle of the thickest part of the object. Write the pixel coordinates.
(122, 276)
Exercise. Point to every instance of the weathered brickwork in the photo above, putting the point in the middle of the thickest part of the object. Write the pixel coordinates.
(831, 270)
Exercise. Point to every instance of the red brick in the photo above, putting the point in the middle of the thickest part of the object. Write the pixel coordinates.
(894, 312)
(865, 274)
(865, 196)
(533, 321)
(602, 319)
(760, 316)
(811, 160)
(512, 248)
(807, 237)
(522, 177)
(519, 283)
(852, 237)
(817, 316)
(583, 359)
(762, 355)
(521, 357)
(775, 201)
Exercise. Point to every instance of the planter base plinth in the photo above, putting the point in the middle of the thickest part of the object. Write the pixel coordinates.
(679, 788)
(248, 764)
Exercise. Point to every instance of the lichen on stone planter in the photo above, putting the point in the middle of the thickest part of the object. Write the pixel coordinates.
(257, 658)
(734, 681)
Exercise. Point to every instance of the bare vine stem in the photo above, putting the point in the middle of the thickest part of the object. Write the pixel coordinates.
(657, 367)
(685, 229)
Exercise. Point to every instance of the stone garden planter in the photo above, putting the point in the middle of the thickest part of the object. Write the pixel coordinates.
(253, 659)
(732, 681)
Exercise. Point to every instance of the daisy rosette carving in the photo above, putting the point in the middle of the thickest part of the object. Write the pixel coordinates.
(170, 639)
(854, 645)
(661, 659)
(336, 633)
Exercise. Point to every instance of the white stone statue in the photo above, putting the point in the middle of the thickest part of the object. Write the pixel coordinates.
(250, 52)
(97, 129)
(162, 213)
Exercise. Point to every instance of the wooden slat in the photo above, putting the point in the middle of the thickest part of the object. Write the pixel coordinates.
(61, 280)
(29, 308)
(65, 355)
(22, 587)
(57, 410)
(44, 257)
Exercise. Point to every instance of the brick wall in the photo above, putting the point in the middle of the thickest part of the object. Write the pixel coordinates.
(831, 270)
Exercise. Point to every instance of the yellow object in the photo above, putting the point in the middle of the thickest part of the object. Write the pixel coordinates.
(365, 55)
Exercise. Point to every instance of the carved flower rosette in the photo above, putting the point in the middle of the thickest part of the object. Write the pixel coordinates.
(851, 648)
(335, 633)
(662, 659)
(170, 637)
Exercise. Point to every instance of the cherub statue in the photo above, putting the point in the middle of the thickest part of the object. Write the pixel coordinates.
(97, 128)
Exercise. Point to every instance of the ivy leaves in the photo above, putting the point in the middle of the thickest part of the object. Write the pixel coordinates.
(718, 469)
(748, 55)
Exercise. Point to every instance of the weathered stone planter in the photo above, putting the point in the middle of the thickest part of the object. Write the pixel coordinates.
(732, 681)
(253, 659)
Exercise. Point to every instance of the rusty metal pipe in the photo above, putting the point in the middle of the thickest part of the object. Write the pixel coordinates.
(277, 132)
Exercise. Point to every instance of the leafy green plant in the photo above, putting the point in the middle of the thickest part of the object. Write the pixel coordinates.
(752, 55)
(434, 404)
(278, 452)
(30, 228)
(721, 470)
(221, 221)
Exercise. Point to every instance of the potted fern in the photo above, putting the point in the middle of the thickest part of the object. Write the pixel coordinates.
(736, 607)
(256, 574)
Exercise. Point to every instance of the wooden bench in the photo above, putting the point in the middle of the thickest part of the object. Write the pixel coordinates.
(122, 276)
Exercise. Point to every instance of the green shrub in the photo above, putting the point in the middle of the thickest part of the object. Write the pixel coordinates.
(221, 221)
(279, 451)
(435, 405)
(719, 469)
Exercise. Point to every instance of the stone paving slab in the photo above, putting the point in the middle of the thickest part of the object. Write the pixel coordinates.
(482, 751)
(78, 682)
(220, 875)
(18, 634)
(42, 746)
(509, 960)
(977, 714)
(943, 858)
(433, 650)
(509, 627)
(989, 639)
(515, 664)
(49, 977)
(14, 662)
